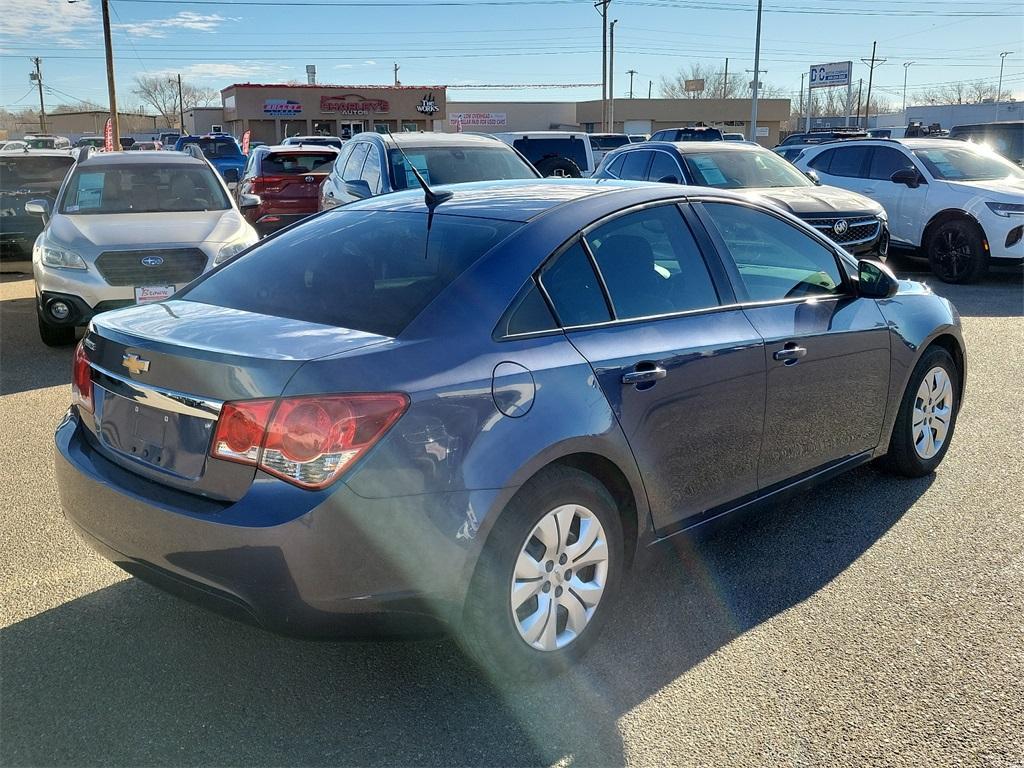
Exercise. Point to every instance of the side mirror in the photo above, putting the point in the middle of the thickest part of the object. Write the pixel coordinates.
(813, 176)
(875, 280)
(668, 180)
(38, 207)
(247, 201)
(231, 175)
(908, 176)
(358, 188)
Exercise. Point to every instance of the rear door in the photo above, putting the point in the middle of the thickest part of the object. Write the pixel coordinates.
(826, 350)
(683, 372)
(905, 205)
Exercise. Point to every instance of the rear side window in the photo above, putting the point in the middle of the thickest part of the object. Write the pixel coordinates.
(651, 264)
(354, 164)
(372, 271)
(775, 259)
(371, 171)
(822, 161)
(285, 163)
(573, 288)
(614, 166)
(529, 313)
(536, 150)
(849, 161)
(635, 165)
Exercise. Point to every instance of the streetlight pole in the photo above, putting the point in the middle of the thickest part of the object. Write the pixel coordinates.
(602, 6)
(181, 105)
(999, 89)
(906, 68)
(757, 76)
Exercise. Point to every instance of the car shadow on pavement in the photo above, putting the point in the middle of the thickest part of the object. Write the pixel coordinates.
(999, 294)
(25, 362)
(128, 675)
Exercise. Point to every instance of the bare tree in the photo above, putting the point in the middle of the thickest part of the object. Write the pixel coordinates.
(715, 84)
(161, 93)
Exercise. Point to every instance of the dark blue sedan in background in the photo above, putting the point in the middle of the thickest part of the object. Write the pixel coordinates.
(483, 411)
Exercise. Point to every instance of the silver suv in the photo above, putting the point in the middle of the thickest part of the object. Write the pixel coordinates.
(129, 228)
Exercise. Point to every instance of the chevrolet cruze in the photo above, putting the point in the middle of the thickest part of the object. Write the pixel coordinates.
(481, 406)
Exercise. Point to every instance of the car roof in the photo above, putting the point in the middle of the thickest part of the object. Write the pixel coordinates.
(298, 148)
(539, 134)
(430, 139)
(522, 199)
(23, 152)
(134, 158)
(687, 147)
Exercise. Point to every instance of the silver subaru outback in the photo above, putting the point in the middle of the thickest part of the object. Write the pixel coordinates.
(129, 228)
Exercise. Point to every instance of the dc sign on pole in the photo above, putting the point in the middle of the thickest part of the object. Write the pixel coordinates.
(830, 75)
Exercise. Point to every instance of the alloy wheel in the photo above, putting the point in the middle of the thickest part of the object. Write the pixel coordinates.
(953, 253)
(559, 577)
(933, 410)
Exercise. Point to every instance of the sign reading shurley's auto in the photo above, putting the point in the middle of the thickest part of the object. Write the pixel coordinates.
(353, 104)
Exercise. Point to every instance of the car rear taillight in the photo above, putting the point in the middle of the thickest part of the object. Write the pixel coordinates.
(308, 441)
(81, 379)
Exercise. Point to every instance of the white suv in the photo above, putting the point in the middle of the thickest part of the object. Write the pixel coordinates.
(962, 204)
(554, 153)
(127, 228)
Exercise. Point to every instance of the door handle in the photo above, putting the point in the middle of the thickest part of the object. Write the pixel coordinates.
(790, 353)
(645, 375)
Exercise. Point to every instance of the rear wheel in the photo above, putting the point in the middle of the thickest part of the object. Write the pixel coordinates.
(55, 335)
(927, 416)
(956, 252)
(547, 577)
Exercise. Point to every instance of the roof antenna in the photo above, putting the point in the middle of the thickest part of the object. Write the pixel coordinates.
(433, 199)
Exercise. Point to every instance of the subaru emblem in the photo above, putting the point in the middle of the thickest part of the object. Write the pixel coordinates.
(840, 227)
(152, 261)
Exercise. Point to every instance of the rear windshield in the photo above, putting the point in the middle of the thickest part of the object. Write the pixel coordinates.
(688, 134)
(216, 147)
(456, 165)
(371, 271)
(33, 172)
(608, 143)
(284, 163)
(143, 188)
(536, 150)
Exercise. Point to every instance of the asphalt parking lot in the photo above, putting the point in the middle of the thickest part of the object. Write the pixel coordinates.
(875, 621)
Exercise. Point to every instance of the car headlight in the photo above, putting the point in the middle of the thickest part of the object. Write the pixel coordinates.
(61, 258)
(229, 250)
(884, 216)
(1006, 209)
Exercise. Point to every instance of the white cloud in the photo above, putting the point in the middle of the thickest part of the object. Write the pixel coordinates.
(370, 63)
(344, 66)
(184, 20)
(213, 70)
(54, 22)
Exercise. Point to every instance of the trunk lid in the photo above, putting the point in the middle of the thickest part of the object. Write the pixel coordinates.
(161, 372)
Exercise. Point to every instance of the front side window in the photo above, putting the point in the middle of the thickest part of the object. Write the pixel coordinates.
(651, 264)
(956, 164)
(573, 288)
(885, 161)
(372, 271)
(774, 258)
(742, 170)
(143, 189)
(456, 165)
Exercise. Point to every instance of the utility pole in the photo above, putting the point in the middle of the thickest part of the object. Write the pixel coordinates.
(397, 67)
(181, 105)
(872, 63)
(602, 6)
(631, 72)
(999, 89)
(650, 84)
(611, 76)
(802, 76)
(906, 68)
(725, 81)
(757, 75)
(111, 90)
(38, 77)
(860, 90)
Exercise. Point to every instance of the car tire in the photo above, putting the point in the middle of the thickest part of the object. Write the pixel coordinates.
(922, 402)
(956, 252)
(495, 633)
(55, 335)
(559, 166)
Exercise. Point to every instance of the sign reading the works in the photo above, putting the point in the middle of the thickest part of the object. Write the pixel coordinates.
(281, 107)
(493, 119)
(427, 105)
(353, 104)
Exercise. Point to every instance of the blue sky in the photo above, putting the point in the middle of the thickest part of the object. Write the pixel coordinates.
(215, 44)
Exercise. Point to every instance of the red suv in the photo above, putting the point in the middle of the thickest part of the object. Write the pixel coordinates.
(282, 184)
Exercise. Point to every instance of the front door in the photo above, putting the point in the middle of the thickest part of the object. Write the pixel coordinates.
(826, 350)
(684, 376)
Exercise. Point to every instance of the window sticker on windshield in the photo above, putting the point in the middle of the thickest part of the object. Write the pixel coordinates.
(90, 190)
(712, 175)
(419, 162)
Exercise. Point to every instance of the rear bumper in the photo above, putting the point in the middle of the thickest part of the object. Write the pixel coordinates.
(339, 564)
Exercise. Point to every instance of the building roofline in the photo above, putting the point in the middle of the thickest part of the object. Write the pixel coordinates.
(378, 86)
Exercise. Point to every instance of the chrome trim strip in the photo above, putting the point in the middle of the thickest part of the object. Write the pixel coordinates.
(158, 397)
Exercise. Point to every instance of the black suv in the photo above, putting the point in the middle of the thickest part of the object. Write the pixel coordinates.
(27, 176)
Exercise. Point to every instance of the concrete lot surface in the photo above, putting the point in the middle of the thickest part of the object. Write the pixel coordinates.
(873, 622)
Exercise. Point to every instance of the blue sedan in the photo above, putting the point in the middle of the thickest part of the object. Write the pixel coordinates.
(482, 409)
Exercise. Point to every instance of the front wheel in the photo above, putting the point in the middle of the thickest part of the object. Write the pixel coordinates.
(956, 252)
(927, 416)
(547, 578)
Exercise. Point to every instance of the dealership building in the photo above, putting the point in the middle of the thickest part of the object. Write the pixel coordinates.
(273, 112)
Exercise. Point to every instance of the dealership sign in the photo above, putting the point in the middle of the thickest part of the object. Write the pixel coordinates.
(281, 107)
(490, 119)
(828, 75)
(352, 104)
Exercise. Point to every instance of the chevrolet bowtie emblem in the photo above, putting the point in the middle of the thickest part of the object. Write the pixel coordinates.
(134, 363)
